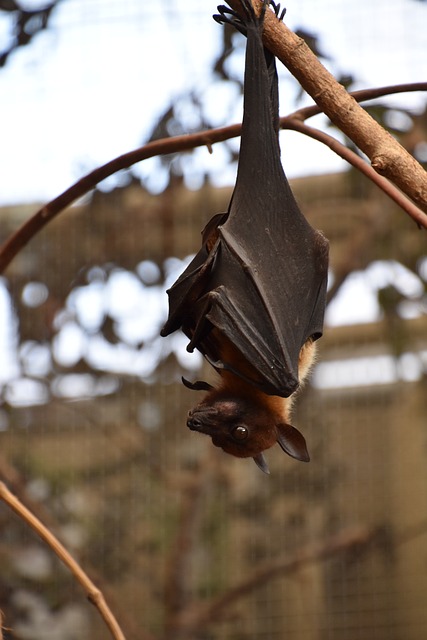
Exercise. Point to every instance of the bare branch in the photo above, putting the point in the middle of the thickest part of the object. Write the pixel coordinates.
(387, 156)
(31, 227)
(352, 158)
(94, 595)
(364, 95)
(13, 479)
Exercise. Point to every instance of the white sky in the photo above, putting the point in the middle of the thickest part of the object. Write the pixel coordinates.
(89, 88)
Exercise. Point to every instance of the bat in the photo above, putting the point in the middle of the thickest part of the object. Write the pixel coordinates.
(252, 300)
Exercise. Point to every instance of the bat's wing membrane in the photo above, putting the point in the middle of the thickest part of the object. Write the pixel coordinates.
(262, 285)
(267, 291)
(187, 290)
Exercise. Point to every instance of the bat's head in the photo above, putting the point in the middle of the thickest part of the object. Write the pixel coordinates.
(246, 426)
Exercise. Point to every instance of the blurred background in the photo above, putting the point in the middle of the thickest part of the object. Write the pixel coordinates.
(185, 541)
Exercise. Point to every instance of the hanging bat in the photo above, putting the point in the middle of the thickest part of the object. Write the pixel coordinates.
(252, 300)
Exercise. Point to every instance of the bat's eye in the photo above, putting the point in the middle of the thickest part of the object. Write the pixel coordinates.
(240, 433)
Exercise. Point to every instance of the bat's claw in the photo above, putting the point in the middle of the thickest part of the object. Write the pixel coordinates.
(199, 385)
(276, 8)
(229, 16)
(226, 15)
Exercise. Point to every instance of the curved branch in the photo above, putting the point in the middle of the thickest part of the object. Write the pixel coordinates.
(352, 158)
(28, 230)
(363, 95)
(31, 227)
(94, 595)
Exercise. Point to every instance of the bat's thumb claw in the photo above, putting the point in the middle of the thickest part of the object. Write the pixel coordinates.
(292, 442)
(199, 385)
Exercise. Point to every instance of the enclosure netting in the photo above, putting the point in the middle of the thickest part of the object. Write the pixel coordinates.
(183, 540)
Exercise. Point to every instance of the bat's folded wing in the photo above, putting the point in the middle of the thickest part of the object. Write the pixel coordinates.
(237, 305)
(263, 291)
(274, 298)
(185, 292)
(270, 374)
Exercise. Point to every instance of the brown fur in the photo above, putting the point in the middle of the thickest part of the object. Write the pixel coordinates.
(233, 385)
(234, 404)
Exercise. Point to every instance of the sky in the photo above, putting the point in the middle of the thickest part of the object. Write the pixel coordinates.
(90, 87)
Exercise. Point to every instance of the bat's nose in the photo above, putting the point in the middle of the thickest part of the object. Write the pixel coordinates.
(201, 418)
(195, 424)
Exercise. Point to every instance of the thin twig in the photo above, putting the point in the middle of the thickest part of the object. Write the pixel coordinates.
(13, 479)
(94, 595)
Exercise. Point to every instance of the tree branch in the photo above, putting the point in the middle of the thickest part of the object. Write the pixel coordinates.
(94, 595)
(363, 95)
(31, 227)
(13, 479)
(387, 156)
(352, 158)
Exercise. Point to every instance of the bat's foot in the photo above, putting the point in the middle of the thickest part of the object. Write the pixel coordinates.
(229, 16)
(226, 15)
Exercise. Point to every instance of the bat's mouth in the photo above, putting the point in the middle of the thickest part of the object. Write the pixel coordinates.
(202, 420)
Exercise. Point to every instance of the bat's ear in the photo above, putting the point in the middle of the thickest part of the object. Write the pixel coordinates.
(261, 462)
(292, 442)
(199, 385)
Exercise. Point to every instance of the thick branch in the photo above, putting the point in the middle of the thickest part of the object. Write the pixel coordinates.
(387, 156)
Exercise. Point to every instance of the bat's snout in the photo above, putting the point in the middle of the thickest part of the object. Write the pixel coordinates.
(201, 419)
(194, 424)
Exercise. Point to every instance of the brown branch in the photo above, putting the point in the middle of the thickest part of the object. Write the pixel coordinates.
(352, 158)
(31, 227)
(28, 230)
(364, 95)
(17, 483)
(346, 542)
(11, 476)
(387, 156)
(198, 616)
(94, 595)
